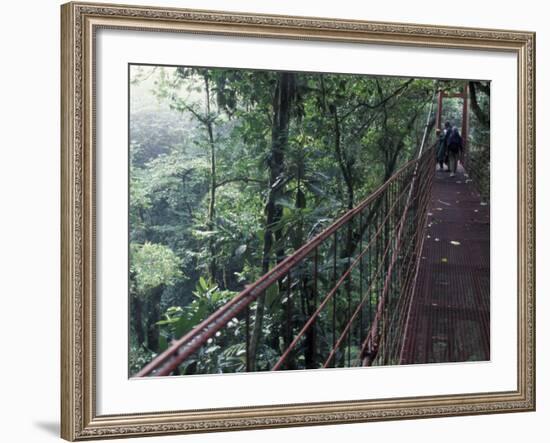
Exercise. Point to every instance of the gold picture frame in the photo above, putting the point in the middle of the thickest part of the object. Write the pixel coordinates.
(79, 22)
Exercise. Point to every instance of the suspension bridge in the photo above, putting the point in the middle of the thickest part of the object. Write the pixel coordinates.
(402, 278)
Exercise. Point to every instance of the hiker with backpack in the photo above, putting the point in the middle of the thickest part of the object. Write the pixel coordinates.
(454, 149)
(441, 153)
(447, 129)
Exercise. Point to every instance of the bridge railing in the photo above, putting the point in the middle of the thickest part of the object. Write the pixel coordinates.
(341, 299)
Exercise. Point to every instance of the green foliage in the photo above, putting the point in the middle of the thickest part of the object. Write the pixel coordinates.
(139, 356)
(154, 265)
(177, 321)
(198, 130)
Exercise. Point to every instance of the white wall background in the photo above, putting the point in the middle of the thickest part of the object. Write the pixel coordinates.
(29, 219)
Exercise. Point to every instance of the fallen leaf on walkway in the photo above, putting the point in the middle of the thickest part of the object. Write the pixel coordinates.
(456, 243)
(483, 204)
(436, 239)
(429, 213)
(475, 210)
(445, 203)
(444, 260)
(429, 236)
(439, 209)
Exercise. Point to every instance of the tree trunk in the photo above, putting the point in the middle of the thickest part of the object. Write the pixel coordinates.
(212, 268)
(484, 118)
(279, 139)
(153, 317)
(342, 158)
(138, 319)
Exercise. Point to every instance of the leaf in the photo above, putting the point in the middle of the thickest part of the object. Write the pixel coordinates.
(454, 242)
(211, 349)
(444, 260)
(203, 234)
(316, 190)
(277, 182)
(240, 250)
(184, 325)
(174, 310)
(285, 202)
(167, 322)
(202, 283)
(163, 343)
(271, 294)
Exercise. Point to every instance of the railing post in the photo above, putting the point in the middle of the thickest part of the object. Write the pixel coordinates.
(348, 289)
(288, 312)
(335, 278)
(315, 277)
(247, 329)
(361, 325)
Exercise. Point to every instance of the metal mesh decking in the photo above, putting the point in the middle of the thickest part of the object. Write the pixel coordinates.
(450, 315)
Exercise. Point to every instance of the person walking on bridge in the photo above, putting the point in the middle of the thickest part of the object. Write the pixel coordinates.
(441, 152)
(454, 149)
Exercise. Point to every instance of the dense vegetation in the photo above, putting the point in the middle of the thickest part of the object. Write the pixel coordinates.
(479, 136)
(232, 170)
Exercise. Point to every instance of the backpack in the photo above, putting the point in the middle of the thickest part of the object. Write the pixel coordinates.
(447, 136)
(455, 141)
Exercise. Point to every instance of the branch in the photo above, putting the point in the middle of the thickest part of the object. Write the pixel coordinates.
(183, 175)
(484, 87)
(382, 102)
(483, 118)
(207, 119)
(359, 131)
(239, 179)
(341, 154)
(139, 78)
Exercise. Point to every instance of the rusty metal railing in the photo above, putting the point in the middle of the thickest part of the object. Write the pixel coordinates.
(352, 281)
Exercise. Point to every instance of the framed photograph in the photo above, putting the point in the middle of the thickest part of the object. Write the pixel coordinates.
(282, 221)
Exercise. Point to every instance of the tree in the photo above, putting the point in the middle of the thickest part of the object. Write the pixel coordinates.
(282, 105)
(153, 267)
(238, 171)
(481, 110)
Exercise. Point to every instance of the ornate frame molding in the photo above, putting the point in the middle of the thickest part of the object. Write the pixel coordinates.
(79, 420)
